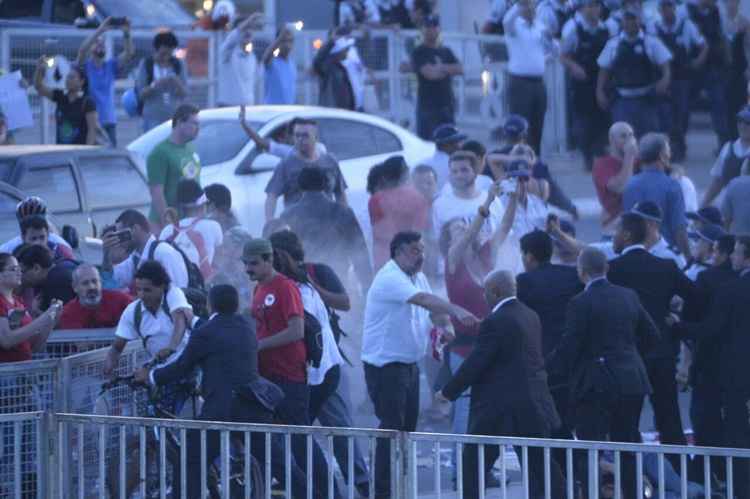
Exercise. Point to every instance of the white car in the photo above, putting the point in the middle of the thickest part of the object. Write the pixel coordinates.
(357, 140)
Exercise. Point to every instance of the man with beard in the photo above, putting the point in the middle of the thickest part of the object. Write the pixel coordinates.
(93, 307)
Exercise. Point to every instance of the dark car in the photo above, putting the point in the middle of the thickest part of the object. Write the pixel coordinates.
(85, 187)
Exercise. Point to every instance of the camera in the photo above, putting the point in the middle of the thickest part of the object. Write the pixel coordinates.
(519, 169)
(124, 236)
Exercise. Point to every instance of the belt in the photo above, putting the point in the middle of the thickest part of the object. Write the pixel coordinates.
(528, 78)
(635, 92)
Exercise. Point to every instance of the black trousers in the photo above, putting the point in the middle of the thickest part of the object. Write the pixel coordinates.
(429, 118)
(394, 391)
(535, 470)
(244, 412)
(527, 96)
(706, 414)
(319, 393)
(589, 122)
(667, 419)
(615, 420)
(737, 404)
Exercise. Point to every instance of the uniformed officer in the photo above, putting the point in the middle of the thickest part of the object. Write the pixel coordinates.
(583, 39)
(555, 14)
(614, 18)
(703, 249)
(637, 66)
(732, 158)
(712, 76)
(689, 52)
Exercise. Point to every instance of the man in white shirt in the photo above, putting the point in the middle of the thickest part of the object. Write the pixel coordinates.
(132, 244)
(196, 235)
(238, 65)
(528, 41)
(637, 66)
(394, 340)
(447, 140)
(159, 318)
(554, 14)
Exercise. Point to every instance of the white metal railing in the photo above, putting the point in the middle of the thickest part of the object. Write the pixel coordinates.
(390, 92)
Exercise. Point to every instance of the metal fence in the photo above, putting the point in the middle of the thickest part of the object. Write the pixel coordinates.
(66, 342)
(389, 91)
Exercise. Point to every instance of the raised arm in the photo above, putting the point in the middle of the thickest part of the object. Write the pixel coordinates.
(260, 142)
(42, 325)
(128, 49)
(85, 48)
(41, 70)
(618, 182)
(459, 249)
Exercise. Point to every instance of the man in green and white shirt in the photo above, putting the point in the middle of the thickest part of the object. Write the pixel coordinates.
(173, 160)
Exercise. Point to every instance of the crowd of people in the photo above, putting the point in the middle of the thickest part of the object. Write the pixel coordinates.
(467, 271)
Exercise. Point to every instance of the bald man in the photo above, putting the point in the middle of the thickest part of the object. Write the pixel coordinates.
(509, 392)
(93, 306)
(612, 172)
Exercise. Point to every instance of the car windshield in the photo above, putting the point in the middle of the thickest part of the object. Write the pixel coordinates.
(221, 140)
(147, 12)
(8, 222)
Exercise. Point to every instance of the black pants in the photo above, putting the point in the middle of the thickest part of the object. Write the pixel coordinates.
(667, 419)
(394, 391)
(706, 408)
(244, 412)
(294, 410)
(319, 393)
(590, 123)
(527, 96)
(535, 472)
(615, 420)
(429, 118)
(737, 404)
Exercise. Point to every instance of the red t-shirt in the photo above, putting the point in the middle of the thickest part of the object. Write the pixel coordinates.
(107, 314)
(392, 211)
(604, 169)
(22, 351)
(274, 303)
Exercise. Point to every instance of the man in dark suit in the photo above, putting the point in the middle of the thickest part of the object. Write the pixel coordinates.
(227, 353)
(727, 325)
(657, 281)
(546, 289)
(706, 409)
(604, 328)
(509, 393)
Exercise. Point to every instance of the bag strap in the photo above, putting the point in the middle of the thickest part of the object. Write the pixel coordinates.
(138, 317)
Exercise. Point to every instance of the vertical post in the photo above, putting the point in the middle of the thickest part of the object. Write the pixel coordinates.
(593, 473)
(225, 460)
(436, 468)
(309, 466)
(618, 476)
(248, 462)
(5, 50)
(45, 113)
(43, 455)
(413, 477)
(213, 62)
(101, 457)
(307, 50)
(480, 470)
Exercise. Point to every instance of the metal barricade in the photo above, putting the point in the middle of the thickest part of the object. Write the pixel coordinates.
(136, 454)
(66, 342)
(24, 460)
(559, 468)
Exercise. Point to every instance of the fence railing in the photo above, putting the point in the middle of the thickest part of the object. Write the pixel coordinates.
(389, 91)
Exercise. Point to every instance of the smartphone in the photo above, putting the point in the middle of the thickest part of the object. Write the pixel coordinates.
(118, 21)
(124, 236)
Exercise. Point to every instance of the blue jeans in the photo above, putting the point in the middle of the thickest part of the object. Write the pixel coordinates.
(335, 413)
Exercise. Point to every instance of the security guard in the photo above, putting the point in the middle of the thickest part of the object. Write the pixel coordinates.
(689, 51)
(712, 76)
(637, 65)
(555, 14)
(583, 39)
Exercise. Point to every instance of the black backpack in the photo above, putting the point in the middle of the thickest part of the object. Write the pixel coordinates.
(149, 63)
(195, 278)
(313, 339)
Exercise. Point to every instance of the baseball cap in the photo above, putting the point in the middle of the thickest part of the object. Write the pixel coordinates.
(190, 193)
(445, 134)
(515, 124)
(744, 115)
(431, 21)
(707, 215)
(256, 247)
(648, 210)
(709, 232)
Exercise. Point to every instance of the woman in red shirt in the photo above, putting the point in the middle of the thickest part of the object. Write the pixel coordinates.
(20, 335)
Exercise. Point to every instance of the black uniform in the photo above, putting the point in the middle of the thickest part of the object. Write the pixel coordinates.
(589, 121)
(713, 76)
(737, 85)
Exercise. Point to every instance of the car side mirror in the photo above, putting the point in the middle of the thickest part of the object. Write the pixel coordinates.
(258, 163)
(70, 234)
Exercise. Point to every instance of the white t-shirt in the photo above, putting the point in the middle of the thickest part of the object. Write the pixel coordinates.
(237, 69)
(394, 330)
(448, 206)
(10, 246)
(209, 229)
(357, 75)
(527, 47)
(314, 305)
(156, 328)
(689, 194)
(170, 258)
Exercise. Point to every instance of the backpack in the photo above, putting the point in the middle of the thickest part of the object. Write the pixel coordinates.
(192, 244)
(195, 298)
(333, 316)
(138, 318)
(149, 63)
(195, 278)
(313, 339)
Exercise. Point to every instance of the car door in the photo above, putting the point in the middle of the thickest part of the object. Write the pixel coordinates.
(53, 178)
(358, 146)
(112, 183)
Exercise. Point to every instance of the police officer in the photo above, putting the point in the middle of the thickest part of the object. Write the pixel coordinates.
(583, 39)
(637, 66)
(555, 14)
(689, 52)
(712, 76)
(732, 158)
